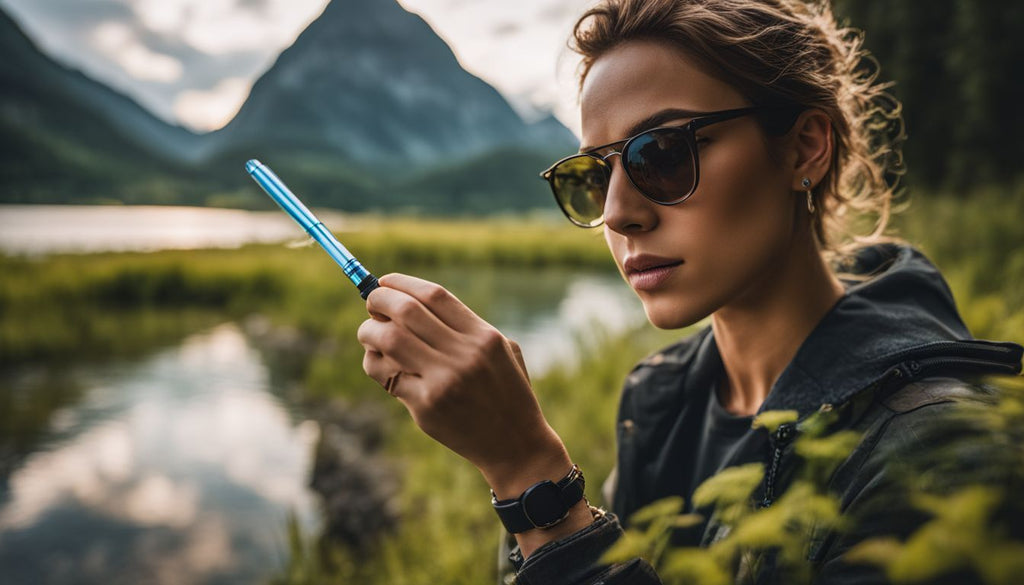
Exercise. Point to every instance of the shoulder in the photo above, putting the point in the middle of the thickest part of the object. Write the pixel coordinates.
(671, 360)
(907, 431)
(657, 383)
(900, 416)
(932, 391)
(920, 411)
(677, 354)
(935, 440)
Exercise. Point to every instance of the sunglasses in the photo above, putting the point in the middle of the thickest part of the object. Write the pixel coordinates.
(661, 163)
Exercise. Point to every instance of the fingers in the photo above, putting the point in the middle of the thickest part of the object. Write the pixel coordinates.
(378, 367)
(388, 373)
(436, 299)
(390, 304)
(399, 349)
(400, 384)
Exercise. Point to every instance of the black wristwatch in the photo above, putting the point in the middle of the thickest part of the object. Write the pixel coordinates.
(542, 505)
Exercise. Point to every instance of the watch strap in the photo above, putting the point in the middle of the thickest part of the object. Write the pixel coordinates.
(542, 505)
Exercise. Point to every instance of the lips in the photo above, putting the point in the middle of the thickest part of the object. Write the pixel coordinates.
(646, 272)
(645, 262)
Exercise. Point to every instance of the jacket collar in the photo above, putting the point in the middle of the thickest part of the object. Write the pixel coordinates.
(896, 322)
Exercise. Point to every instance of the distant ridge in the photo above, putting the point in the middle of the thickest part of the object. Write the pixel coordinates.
(374, 84)
(368, 109)
(63, 134)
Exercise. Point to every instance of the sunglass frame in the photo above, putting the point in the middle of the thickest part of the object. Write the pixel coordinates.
(690, 134)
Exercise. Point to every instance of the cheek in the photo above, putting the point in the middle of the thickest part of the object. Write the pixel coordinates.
(751, 212)
(616, 245)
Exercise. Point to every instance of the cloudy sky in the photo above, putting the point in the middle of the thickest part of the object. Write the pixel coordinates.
(192, 62)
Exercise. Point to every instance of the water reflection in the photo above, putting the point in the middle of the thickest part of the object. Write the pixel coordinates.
(592, 305)
(548, 311)
(44, 229)
(181, 469)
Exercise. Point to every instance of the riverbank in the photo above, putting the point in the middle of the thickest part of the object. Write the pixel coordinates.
(301, 315)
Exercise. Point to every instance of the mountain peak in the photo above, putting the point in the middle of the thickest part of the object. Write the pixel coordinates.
(368, 109)
(374, 83)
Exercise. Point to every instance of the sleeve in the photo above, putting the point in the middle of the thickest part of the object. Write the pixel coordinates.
(575, 560)
(916, 449)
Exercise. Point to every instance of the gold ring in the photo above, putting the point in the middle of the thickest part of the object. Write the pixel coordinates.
(391, 382)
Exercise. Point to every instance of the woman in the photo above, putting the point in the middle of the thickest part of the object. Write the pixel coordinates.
(725, 143)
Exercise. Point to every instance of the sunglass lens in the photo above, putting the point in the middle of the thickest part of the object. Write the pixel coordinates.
(580, 185)
(661, 164)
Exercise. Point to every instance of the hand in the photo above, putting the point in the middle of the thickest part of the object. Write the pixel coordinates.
(462, 381)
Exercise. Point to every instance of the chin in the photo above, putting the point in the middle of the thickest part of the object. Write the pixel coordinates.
(664, 314)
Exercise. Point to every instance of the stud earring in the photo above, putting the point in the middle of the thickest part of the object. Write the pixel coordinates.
(806, 183)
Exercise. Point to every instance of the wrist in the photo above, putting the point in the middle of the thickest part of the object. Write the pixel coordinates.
(509, 479)
(513, 474)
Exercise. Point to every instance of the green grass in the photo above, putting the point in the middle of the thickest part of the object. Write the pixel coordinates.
(98, 306)
(978, 244)
(76, 306)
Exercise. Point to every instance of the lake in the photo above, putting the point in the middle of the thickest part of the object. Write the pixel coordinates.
(44, 229)
(183, 466)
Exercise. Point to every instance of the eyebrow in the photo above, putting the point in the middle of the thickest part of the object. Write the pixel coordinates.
(652, 121)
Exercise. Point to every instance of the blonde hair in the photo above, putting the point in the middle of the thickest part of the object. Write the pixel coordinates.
(789, 52)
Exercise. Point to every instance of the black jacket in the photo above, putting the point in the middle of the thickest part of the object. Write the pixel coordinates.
(889, 357)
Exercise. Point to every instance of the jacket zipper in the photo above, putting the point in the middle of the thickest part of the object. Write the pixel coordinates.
(781, 438)
(918, 366)
(988, 354)
(910, 370)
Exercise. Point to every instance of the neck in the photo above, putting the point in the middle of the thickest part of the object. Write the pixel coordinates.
(758, 334)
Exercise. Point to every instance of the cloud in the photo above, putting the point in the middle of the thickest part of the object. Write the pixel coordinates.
(164, 17)
(178, 46)
(213, 108)
(565, 11)
(120, 43)
(219, 27)
(506, 28)
(518, 47)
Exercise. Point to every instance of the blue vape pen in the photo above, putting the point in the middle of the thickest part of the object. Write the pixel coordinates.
(355, 272)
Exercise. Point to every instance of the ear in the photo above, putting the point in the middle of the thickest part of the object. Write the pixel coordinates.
(811, 140)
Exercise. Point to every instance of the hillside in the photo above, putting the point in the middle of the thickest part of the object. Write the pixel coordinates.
(368, 109)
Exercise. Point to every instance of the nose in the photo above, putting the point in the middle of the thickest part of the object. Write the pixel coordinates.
(625, 209)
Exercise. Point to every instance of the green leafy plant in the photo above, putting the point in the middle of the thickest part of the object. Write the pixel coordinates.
(964, 476)
(968, 483)
(751, 532)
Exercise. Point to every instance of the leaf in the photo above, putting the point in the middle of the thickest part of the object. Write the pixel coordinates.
(773, 419)
(629, 546)
(833, 448)
(875, 551)
(762, 529)
(693, 566)
(805, 508)
(688, 520)
(1002, 564)
(669, 506)
(819, 422)
(927, 554)
(730, 486)
(969, 507)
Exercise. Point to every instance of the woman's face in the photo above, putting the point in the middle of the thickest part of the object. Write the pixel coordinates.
(721, 246)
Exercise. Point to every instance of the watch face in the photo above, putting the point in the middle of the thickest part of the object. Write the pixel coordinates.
(543, 504)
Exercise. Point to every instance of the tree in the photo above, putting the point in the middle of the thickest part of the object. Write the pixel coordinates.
(955, 64)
